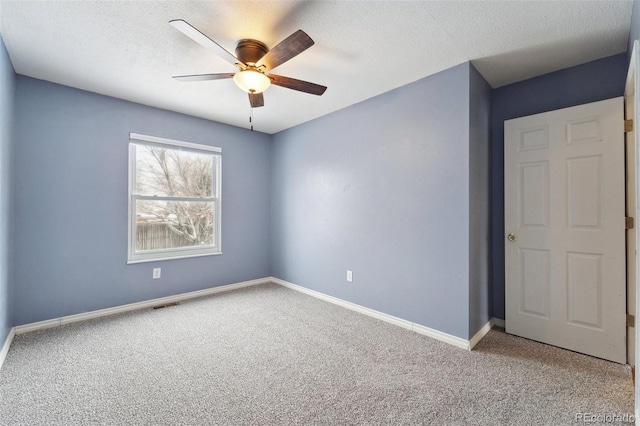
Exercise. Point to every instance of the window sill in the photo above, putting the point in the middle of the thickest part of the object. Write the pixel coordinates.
(158, 259)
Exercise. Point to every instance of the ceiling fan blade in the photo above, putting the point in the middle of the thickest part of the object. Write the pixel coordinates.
(288, 48)
(299, 85)
(256, 100)
(187, 29)
(203, 77)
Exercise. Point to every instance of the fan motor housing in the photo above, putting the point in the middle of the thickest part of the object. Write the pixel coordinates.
(250, 51)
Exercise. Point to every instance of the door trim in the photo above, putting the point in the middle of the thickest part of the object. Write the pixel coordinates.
(632, 87)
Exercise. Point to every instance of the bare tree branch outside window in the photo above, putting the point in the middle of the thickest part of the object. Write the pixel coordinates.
(166, 173)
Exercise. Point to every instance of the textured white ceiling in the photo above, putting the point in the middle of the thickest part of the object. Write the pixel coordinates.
(128, 50)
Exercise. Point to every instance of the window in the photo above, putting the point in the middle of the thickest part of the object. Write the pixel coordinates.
(174, 199)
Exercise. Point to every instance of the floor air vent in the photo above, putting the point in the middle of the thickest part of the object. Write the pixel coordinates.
(166, 305)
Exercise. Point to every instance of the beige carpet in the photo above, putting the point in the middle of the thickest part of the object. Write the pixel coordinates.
(267, 355)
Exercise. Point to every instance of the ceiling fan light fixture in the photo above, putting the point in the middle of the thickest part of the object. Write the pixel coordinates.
(252, 81)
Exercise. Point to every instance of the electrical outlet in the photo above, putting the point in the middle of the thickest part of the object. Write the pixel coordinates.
(156, 273)
(350, 276)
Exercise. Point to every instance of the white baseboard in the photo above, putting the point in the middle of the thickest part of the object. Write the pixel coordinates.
(443, 337)
(5, 347)
(480, 334)
(498, 322)
(417, 328)
(42, 325)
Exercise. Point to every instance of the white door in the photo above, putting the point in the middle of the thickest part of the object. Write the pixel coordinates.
(565, 228)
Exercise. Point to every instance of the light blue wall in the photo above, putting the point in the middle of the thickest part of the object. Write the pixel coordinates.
(71, 203)
(381, 188)
(7, 89)
(479, 200)
(590, 82)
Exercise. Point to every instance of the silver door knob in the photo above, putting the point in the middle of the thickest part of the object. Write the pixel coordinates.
(512, 237)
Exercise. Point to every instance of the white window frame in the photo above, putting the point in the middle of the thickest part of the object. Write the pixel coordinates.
(182, 252)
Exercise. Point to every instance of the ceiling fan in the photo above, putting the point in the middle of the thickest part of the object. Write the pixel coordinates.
(254, 62)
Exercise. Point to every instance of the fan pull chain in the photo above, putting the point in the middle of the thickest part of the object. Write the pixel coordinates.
(251, 118)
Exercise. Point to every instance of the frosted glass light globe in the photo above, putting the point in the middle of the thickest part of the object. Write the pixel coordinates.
(252, 81)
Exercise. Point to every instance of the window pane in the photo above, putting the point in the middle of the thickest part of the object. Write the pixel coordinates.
(172, 172)
(173, 224)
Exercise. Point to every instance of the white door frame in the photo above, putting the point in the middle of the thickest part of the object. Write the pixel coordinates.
(631, 90)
